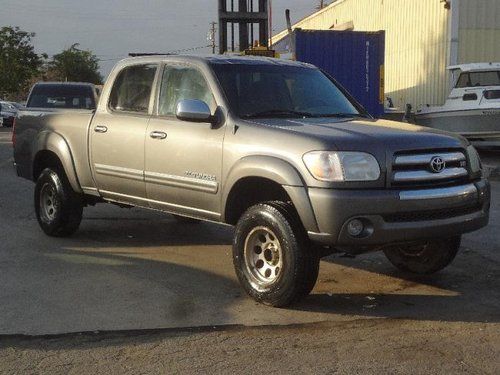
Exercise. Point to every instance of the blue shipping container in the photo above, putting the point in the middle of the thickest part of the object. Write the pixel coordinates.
(355, 59)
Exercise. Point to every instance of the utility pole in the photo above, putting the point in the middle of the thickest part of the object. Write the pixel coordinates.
(211, 36)
(320, 5)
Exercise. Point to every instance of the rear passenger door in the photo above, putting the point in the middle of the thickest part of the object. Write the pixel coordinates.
(118, 132)
(183, 167)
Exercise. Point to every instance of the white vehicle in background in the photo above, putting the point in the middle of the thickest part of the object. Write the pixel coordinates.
(8, 111)
(473, 106)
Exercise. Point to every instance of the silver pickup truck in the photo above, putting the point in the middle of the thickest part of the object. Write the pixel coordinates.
(275, 148)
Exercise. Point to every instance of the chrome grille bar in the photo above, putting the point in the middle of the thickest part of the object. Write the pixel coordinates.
(441, 193)
(424, 175)
(419, 159)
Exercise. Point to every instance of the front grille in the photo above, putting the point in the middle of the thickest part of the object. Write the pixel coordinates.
(403, 217)
(416, 169)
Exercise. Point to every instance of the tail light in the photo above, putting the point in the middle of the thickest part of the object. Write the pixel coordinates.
(14, 132)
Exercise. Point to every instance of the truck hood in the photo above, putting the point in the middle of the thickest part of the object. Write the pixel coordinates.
(365, 134)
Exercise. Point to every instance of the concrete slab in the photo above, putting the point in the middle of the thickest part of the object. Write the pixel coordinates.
(491, 162)
(135, 269)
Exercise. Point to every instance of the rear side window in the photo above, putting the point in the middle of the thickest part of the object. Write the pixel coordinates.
(180, 83)
(62, 96)
(132, 89)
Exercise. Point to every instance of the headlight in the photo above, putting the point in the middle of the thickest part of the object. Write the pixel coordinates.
(342, 166)
(474, 159)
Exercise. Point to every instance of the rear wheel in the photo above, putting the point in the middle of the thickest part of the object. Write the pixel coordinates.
(273, 260)
(426, 258)
(58, 208)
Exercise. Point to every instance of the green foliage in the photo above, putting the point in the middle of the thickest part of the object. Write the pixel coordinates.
(18, 61)
(75, 65)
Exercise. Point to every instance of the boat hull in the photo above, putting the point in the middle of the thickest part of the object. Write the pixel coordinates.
(480, 126)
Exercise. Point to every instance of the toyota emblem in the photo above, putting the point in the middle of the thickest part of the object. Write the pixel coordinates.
(437, 164)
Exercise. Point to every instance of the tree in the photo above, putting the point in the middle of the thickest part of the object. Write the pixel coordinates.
(18, 62)
(76, 65)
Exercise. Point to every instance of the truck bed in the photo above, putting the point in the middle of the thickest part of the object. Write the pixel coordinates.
(33, 128)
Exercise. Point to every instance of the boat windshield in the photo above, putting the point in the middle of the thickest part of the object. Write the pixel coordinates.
(479, 79)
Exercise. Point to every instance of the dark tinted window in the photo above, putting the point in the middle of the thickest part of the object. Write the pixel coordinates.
(132, 89)
(62, 96)
(258, 89)
(492, 94)
(180, 83)
(479, 79)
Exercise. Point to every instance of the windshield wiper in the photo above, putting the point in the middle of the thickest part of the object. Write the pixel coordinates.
(278, 113)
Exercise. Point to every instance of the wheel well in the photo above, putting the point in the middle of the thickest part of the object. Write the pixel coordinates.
(45, 159)
(250, 191)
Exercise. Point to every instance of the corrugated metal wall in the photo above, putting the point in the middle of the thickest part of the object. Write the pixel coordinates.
(479, 31)
(417, 43)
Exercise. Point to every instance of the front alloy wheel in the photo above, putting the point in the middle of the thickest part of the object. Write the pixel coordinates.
(263, 256)
(426, 258)
(273, 259)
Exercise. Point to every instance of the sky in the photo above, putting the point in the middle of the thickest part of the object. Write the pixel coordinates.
(113, 28)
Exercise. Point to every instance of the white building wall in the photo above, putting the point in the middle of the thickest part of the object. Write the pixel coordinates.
(479, 31)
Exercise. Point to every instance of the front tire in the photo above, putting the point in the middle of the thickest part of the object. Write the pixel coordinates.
(424, 259)
(58, 208)
(273, 260)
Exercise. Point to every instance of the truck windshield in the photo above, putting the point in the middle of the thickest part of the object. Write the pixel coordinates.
(61, 96)
(261, 90)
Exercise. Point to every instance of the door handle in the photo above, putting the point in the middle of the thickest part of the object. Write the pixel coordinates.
(100, 129)
(158, 135)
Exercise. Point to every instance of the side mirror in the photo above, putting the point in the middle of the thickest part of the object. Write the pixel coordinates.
(193, 110)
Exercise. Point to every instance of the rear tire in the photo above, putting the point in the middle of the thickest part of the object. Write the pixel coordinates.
(58, 208)
(272, 257)
(425, 259)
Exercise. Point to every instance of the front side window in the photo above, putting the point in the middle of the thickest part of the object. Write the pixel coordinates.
(181, 83)
(132, 89)
(262, 90)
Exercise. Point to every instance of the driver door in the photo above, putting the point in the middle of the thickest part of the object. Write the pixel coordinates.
(184, 165)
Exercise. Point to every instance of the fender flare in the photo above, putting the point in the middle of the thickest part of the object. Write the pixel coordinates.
(54, 142)
(276, 170)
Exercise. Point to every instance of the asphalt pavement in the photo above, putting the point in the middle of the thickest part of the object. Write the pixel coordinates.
(132, 270)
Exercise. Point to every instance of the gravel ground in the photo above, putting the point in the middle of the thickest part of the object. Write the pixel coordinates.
(380, 346)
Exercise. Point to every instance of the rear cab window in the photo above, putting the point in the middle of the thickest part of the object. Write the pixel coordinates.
(62, 96)
(132, 89)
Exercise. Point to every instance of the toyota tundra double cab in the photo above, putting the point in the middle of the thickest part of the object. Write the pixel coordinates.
(276, 148)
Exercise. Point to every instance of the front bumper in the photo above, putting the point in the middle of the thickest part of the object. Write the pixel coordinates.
(392, 216)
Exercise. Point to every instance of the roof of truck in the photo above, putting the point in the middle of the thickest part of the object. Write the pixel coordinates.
(65, 83)
(220, 59)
